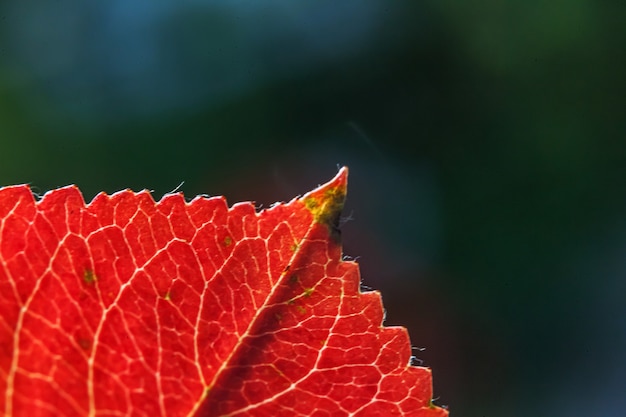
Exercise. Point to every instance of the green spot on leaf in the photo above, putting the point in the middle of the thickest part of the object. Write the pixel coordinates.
(89, 277)
(293, 280)
(311, 203)
(84, 344)
(228, 241)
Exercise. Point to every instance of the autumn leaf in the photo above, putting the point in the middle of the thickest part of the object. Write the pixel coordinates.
(127, 307)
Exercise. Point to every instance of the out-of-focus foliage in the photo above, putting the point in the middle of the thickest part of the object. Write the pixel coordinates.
(493, 133)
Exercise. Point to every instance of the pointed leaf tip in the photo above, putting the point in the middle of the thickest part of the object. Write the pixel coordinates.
(326, 202)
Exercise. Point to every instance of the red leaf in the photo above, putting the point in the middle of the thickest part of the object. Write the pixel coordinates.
(130, 307)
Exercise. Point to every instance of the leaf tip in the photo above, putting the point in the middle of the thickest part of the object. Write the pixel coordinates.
(326, 202)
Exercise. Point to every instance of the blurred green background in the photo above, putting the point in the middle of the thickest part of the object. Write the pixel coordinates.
(486, 143)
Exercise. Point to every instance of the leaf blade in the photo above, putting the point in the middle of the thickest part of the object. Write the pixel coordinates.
(176, 308)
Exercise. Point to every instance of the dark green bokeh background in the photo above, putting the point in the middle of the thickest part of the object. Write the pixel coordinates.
(486, 142)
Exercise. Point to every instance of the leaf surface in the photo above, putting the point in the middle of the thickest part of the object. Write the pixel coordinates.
(127, 307)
